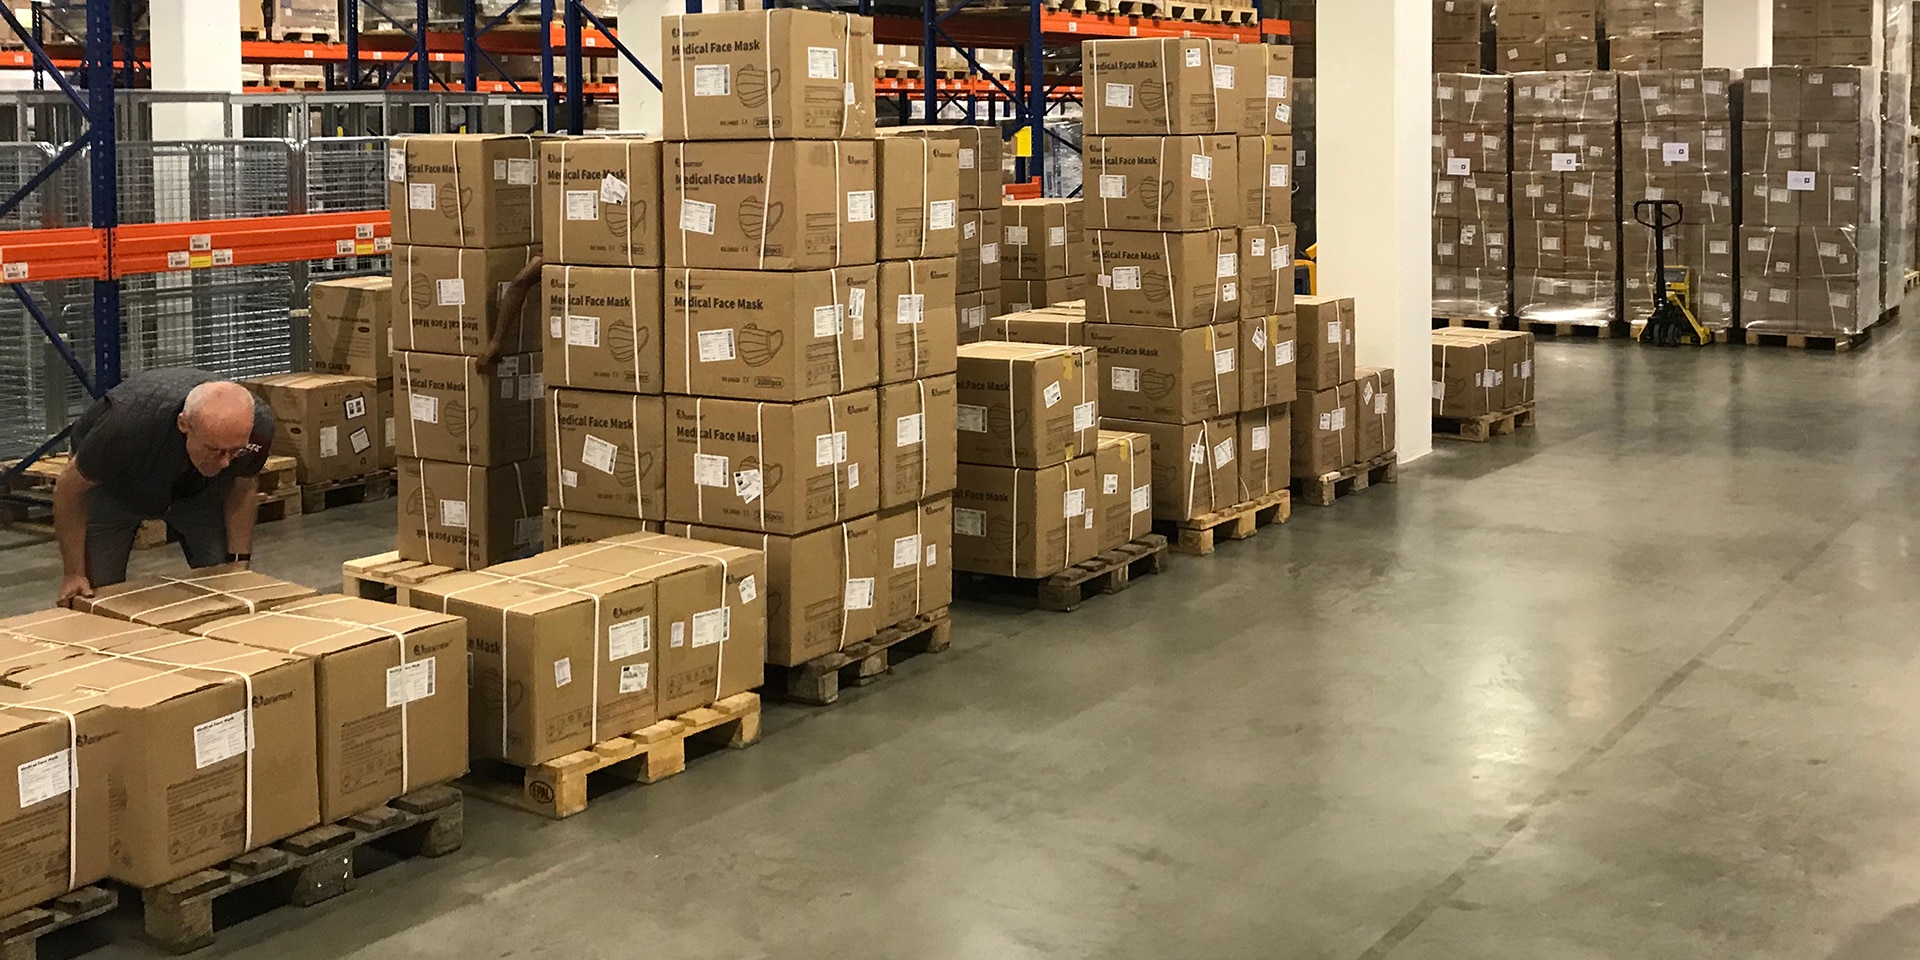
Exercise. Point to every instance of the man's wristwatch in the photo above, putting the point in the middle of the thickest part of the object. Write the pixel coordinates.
(239, 557)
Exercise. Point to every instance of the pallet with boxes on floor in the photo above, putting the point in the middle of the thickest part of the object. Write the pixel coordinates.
(1191, 258)
(1472, 211)
(1677, 145)
(1566, 200)
(278, 497)
(1344, 416)
(350, 335)
(295, 728)
(1482, 383)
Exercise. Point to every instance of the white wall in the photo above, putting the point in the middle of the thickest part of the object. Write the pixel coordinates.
(1739, 33)
(196, 46)
(639, 31)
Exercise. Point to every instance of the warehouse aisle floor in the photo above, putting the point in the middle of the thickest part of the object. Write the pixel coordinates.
(1637, 683)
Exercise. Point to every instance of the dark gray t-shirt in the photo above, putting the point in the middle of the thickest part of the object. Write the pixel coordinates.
(129, 442)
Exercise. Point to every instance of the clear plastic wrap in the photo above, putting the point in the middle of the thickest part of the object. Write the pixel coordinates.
(1566, 198)
(1531, 35)
(1898, 186)
(1810, 239)
(1677, 142)
(1472, 215)
(1305, 148)
(1655, 34)
(1457, 27)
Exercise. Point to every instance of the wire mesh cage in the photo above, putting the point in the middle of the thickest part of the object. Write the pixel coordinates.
(168, 182)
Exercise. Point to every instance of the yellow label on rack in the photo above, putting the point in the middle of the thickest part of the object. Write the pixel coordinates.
(1023, 142)
(200, 260)
(364, 248)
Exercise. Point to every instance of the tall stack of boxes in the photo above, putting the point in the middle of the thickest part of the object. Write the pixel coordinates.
(1457, 27)
(466, 221)
(350, 333)
(1655, 34)
(1043, 253)
(1677, 143)
(1306, 202)
(808, 264)
(1267, 241)
(1810, 227)
(1533, 35)
(1899, 154)
(1165, 205)
(1325, 420)
(980, 259)
(1472, 256)
(1828, 33)
(1565, 197)
(337, 421)
(601, 299)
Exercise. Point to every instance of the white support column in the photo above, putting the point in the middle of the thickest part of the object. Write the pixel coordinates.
(196, 46)
(1375, 92)
(1739, 33)
(639, 31)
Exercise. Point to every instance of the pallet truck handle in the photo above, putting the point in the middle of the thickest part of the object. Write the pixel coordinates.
(1659, 209)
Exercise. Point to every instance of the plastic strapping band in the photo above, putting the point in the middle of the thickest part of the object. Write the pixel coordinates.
(1159, 194)
(466, 529)
(73, 786)
(766, 50)
(833, 429)
(633, 308)
(566, 316)
(562, 212)
(766, 192)
(632, 228)
(560, 480)
(699, 489)
(639, 501)
(1013, 428)
(926, 191)
(920, 306)
(188, 582)
(1166, 100)
(760, 453)
(459, 208)
(846, 580)
(686, 323)
(840, 318)
(409, 292)
(466, 398)
(922, 384)
(1201, 142)
(1106, 302)
(1166, 262)
(680, 63)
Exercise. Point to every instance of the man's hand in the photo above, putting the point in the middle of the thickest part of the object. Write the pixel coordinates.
(74, 585)
(488, 358)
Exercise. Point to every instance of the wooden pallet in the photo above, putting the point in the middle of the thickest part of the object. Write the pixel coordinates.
(1476, 323)
(1486, 426)
(559, 788)
(317, 864)
(818, 681)
(1108, 572)
(1713, 336)
(1837, 343)
(386, 577)
(327, 495)
(1133, 8)
(1328, 487)
(1191, 12)
(20, 933)
(1574, 331)
(898, 72)
(304, 36)
(250, 33)
(1240, 16)
(1198, 536)
(40, 475)
(278, 498)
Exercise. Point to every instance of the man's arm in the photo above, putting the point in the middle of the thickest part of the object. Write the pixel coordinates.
(70, 530)
(242, 508)
(512, 301)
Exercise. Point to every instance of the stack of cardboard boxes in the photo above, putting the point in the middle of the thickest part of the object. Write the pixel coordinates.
(1457, 27)
(337, 421)
(979, 261)
(1343, 414)
(1306, 181)
(1044, 253)
(1810, 230)
(1472, 263)
(1829, 33)
(1565, 197)
(1656, 34)
(466, 220)
(601, 294)
(1534, 35)
(1677, 143)
(1477, 372)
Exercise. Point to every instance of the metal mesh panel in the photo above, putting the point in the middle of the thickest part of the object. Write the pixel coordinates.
(167, 182)
(346, 173)
(60, 202)
(41, 392)
(232, 321)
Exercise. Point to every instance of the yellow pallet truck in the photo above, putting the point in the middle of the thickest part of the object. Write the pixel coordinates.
(1671, 324)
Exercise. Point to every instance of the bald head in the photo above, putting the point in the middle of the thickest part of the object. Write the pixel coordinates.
(218, 422)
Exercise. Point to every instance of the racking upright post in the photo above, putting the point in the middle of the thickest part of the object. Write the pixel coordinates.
(103, 177)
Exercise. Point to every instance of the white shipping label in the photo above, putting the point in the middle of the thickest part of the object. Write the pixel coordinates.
(409, 682)
(389, 431)
(500, 169)
(712, 80)
(1718, 248)
(827, 321)
(909, 430)
(569, 478)
(633, 677)
(45, 778)
(747, 485)
(583, 331)
(1801, 180)
(453, 513)
(1260, 339)
(1125, 379)
(397, 164)
(910, 308)
(1340, 419)
(969, 523)
(698, 217)
(906, 551)
(860, 593)
(522, 172)
(1223, 76)
(583, 205)
(716, 345)
(749, 589)
(532, 386)
(973, 318)
(1051, 394)
(562, 671)
(1114, 95)
(1276, 87)
(450, 293)
(506, 388)
(629, 638)
(1259, 439)
(1282, 255)
(1016, 236)
(556, 326)
(220, 739)
(710, 470)
(1380, 404)
(1109, 484)
(966, 158)
(360, 440)
(933, 555)
(1224, 361)
(857, 308)
(823, 63)
(355, 407)
(942, 214)
(1113, 186)
(1056, 236)
(1333, 332)
(1226, 266)
(989, 253)
(1085, 415)
(1126, 278)
(1457, 167)
(422, 196)
(1198, 452)
(1564, 162)
(598, 454)
(830, 449)
(1193, 57)
(426, 409)
(969, 230)
(677, 635)
(711, 627)
(1143, 498)
(1073, 504)
(613, 189)
(971, 418)
(860, 206)
(1257, 247)
(329, 441)
(1200, 167)
(1674, 152)
(1828, 249)
(1223, 453)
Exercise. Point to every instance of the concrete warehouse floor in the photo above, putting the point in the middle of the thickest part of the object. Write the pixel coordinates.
(1638, 683)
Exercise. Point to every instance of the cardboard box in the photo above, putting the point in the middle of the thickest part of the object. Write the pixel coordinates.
(1167, 375)
(977, 156)
(916, 327)
(916, 420)
(468, 517)
(1267, 349)
(773, 467)
(777, 205)
(1027, 523)
(821, 589)
(451, 411)
(913, 549)
(1021, 295)
(919, 196)
(447, 300)
(1161, 87)
(1266, 179)
(1468, 380)
(564, 528)
(604, 451)
(349, 326)
(1374, 412)
(182, 603)
(1196, 466)
(1325, 435)
(1576, 94)
(1125, 465)
(1265, 441)
(760, 74)
(1819, 94)
(1039, 326)
(1657, 96)
(600, 201)
(1045, 239)
(326, 422)
(1165, 279)
(464, 189)
(1264, 73)
(977, 266)
(391, 688)
(1457, 57)
(603, 328)
(772, 336)
(1326, 342)
(1025, 404)
(974, 309)
(1266, 270)
(57, 830)
(1162, 183)
(1472, 97)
